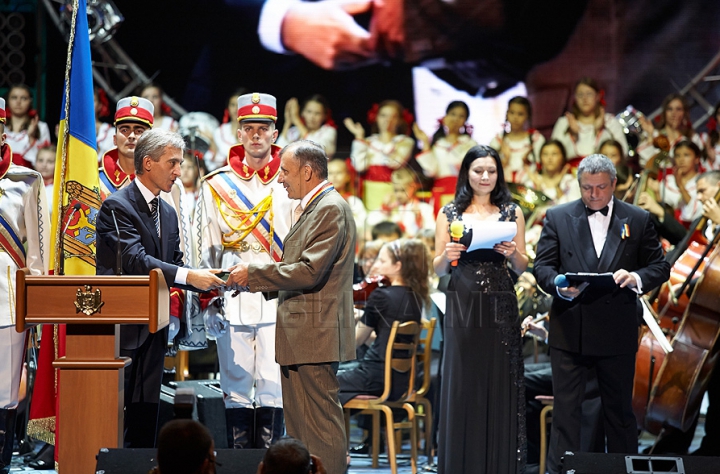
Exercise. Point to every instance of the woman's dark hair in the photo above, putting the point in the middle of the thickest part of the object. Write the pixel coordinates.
(24, 87)
(623, 170)
(157, 86)
(192, 157)
(686, 127)
(464, 193)
(350, 186)
(685, 143)
(402, 126)
(26, 123)
(520, 100)
(613, 143)
(558, 144)
(320, 99)
(440, 132)
(714, 133)
(165, 109)
(414, 257)
(591, 83)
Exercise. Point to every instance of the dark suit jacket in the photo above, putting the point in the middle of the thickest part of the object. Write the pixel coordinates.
(597, 322)
(142, 249)
(315, 322)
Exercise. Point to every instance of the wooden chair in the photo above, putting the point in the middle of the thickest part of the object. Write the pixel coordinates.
(180, 363)
(545, 418)
(419, 397)
(399, 357)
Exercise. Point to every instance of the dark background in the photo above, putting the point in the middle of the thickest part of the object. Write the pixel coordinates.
(201, 51)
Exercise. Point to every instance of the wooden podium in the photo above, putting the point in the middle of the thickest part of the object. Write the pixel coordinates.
(91, 392)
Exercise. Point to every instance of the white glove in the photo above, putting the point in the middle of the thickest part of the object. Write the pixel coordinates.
(173, 328)
(215, 323)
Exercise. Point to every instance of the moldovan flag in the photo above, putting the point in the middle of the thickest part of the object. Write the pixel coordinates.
(75, 207)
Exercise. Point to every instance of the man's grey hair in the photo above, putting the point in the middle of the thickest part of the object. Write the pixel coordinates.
(597, 163)
(153, 142)
(309, 153)
(712, 177)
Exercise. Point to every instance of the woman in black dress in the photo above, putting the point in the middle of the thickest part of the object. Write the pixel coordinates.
(482, 401)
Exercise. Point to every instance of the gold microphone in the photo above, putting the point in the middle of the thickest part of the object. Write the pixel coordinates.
(457, 229)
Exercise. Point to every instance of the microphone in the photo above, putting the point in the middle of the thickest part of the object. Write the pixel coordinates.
(457, 229)
(118, 253)
(75, 208)
(561, 281)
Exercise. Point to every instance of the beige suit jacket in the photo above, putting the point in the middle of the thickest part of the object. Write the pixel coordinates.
(315, 321)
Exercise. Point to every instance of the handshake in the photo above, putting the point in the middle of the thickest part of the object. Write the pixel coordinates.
(234, 278)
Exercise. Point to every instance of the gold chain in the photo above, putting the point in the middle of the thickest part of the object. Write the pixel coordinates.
(248, 219)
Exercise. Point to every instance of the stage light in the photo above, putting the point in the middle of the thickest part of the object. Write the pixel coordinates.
(104, 19)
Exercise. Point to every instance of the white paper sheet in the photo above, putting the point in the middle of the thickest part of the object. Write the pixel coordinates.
(655, 327)
(488, 233)
(439, 298)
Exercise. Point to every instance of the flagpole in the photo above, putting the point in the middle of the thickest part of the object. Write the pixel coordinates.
(60, 189)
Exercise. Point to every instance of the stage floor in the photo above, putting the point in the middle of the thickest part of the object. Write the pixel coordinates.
(362, 464)
(358, 465)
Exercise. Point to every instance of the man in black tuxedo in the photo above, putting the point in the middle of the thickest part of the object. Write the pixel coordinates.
(596, 326)
(149, 238)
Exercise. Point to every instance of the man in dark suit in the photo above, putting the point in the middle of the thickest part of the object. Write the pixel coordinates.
(315, 324)
(149, 238)
(596, 326)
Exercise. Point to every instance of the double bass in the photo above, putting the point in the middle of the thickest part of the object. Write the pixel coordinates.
(682, 379)
(669, 387)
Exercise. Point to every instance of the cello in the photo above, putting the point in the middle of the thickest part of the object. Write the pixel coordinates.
(671, 393)
(682, 379)
(650, 355)
(670, 305)
(689, 262)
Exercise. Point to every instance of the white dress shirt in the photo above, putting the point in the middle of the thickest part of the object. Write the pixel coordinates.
(306, 199)
(182, 272)
(599, 225)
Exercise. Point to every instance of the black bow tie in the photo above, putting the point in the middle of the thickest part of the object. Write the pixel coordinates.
(604, 211)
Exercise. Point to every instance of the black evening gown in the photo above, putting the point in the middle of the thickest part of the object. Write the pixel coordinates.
(482, 401)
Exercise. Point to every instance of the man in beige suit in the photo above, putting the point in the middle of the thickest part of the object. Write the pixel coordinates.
(315, 325)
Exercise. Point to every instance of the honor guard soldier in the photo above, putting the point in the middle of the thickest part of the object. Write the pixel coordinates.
(24, 235)
(243, 214)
